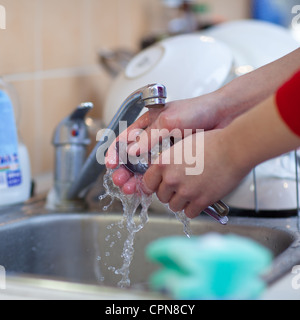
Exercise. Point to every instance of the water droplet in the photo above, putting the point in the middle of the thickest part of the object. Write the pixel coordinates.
(111, 268)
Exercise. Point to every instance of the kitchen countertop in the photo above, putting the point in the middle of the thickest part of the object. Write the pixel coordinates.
(32, 289)
(27, 288)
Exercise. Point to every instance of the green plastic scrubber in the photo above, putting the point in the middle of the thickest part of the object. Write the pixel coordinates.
(209, 267)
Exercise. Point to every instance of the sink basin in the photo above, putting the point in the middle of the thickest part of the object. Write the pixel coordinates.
(86, 248)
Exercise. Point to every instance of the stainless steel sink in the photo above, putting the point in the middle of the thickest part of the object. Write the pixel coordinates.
(86, 248)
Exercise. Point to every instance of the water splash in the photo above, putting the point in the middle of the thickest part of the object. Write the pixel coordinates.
(134, 221)
(181, 217)
(131, 204)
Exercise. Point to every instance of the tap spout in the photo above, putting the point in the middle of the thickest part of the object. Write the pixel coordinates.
(150, 96)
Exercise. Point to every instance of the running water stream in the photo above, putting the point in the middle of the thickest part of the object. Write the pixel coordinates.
(131, 205)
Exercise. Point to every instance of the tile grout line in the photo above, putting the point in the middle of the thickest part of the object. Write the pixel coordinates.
(54, 73)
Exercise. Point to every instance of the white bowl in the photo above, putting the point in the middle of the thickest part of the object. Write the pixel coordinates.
(188, 65)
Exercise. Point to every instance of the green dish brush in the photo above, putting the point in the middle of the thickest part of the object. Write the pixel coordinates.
(213, 266)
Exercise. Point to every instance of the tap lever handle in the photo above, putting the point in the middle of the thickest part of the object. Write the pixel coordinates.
(81, 111)
(72, 129)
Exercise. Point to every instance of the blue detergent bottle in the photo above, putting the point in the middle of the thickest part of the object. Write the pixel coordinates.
(15, 180)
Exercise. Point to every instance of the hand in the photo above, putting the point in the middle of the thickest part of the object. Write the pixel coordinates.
(194, 193)
(202, 112)
(230, 154)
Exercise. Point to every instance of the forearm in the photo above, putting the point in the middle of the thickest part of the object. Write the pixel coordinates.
(249, 90)
(259, 135)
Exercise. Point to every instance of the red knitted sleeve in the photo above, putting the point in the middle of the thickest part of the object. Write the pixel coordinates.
(288, 103)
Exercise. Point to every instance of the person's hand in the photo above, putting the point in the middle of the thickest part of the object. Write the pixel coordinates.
(209, 182)
(229, 155)
(203, 112)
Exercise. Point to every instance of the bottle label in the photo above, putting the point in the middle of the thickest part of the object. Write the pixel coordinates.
(10, 171)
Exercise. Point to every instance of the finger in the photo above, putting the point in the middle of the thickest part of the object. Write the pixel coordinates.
(151, 180)
(130, 186)
(140, 124)
(121, 177)
(154, 131)
(192, 210)
(112, 157)
(149, 138)
(178, 203)
(165, 193)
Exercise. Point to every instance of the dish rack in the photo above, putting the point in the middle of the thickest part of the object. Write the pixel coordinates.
(297, 163)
